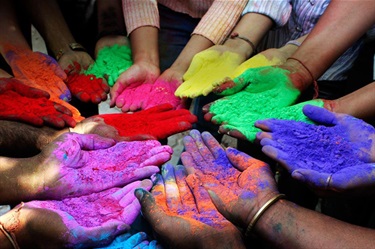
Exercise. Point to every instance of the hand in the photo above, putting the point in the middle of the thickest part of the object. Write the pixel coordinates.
(75, 165)
(269, 92)
(86, 87)
(207, 69)
(158, 123)
(333, 156)
(86, 221)
(113, 57)
(180, 205)
(162, 92)
(20, 102)
(70, 59)
(238, 184)
(40, 71)
(138, 74)
(127, 240)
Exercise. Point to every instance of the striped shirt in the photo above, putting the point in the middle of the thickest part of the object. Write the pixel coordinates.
(296, 18)
(218, 17)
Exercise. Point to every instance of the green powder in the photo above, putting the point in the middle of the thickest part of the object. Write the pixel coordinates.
(111, 62)
(268, 95)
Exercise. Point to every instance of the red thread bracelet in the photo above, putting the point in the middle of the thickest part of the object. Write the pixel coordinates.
(316, 91)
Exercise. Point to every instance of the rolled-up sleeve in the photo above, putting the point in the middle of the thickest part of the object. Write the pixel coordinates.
(220, 19)
(278, 10)
(138, 13)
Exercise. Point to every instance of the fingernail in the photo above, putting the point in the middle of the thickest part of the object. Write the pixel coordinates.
(139, 193)
(298, 176)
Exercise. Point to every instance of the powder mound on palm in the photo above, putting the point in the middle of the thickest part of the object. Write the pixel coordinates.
(316, 147)
(111, 62)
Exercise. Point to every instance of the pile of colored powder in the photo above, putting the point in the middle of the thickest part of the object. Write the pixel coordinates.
(111, 62)
(317, 147)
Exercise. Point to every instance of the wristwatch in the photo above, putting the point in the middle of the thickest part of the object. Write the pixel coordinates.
(73, 46)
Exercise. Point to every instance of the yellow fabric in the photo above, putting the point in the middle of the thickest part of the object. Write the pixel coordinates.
(206, 69)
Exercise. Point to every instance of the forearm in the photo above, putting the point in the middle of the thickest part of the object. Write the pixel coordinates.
(19, 140)
(48, 19)
(11, 34)
(110, 18)
(343, 23)
(144, 44)
(196, 44)
(286, 225)
(252, 26)
(360, 103)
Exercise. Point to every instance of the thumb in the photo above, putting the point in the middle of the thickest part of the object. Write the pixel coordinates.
(150, 210)
(312, 178)
(219, 203)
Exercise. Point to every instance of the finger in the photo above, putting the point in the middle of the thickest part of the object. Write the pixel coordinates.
(320, 115)
(62, 109)
(123, 237)
(106, 231)
(278, 156)
(141, 173)
(312, 178)
(270, 142)
(264, 125)
(200, 146)
(219, 204)
(242, 161)
(213, 145)
(119, 194)
(262, 135)
(233, 132)
(186, 196)
(206, 108)
(171, 188)
(158, 192)
(93, 142)
(54, 121)
(150, 209)
(134, 239)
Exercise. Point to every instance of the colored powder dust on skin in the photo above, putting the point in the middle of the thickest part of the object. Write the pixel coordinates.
(316, 147)
(111, 62)
(256, 61)
(32, 64)
(81, 208)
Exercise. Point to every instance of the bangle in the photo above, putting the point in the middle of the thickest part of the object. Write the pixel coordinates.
(316, 89)
(293, 42)
(261, 212)
(73, 46)
(11, 238)
(236, 35)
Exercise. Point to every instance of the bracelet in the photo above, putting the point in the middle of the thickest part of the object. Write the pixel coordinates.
(236, 35)
(316, 89)
(10, 237)
(293, 42)
(261, 212)
(73, 46)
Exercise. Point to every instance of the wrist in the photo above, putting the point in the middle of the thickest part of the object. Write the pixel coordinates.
(243, 44)
(11, 227)
(261, 209)
(299, 74)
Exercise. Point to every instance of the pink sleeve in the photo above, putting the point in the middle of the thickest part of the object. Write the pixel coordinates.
(138, 13)
(220, 19)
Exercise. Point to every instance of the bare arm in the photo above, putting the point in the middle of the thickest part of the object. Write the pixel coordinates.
(10, 30)
(110, 18)
(343, 23)
(286, 225)
(33, 138)
(360, 103)
(48, 19)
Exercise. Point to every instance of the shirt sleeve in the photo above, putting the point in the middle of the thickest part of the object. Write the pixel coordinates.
(278, 10)
(138, 13)
(220, 19)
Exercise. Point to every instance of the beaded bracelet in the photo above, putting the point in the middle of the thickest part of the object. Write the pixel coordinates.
(261, 212)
